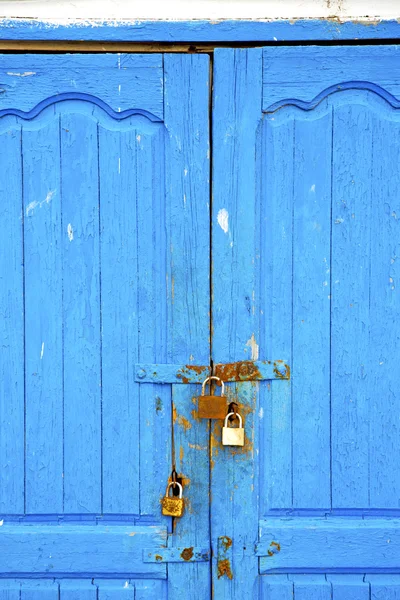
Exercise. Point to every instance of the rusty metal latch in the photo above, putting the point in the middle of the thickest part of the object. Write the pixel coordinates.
(182, 555)
(245, 370)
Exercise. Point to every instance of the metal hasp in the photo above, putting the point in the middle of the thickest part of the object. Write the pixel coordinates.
(245, 370)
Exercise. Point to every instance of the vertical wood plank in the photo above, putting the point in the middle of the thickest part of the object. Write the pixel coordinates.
(81, 314)
(11, 324)
(349, 587)
(10, 590)
(155, 400)
(276, 587)
(235, 312)
(384, 326)
(276, 180)
(40, 590)
(316, 587)
(310, 367)
(43, 317)
(118, 204)
(77, 590)
(115, 590)
(187, 201)
(384, 587)
(351, 247)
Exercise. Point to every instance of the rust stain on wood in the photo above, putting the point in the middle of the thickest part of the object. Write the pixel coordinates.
(224, 568)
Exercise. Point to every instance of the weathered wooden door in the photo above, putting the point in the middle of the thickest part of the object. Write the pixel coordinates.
(106, 306)
(306, 245)
(104, 263)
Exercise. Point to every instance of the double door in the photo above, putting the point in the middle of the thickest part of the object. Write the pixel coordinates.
(136, 259)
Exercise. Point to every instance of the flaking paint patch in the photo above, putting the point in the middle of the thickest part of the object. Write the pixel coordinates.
(42, 351)
(252, 344)
(70, 232)
(1, 522)
(32, 205)
(223, 219)
(26, 74)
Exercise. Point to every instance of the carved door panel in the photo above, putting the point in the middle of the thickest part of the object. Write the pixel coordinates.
(306, 245)
(104, 263)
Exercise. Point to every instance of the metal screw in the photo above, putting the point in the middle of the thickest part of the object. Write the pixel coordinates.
(141, 373)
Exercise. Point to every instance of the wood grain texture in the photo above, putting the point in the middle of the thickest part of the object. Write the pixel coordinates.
(51, 550)
(11, 323)
(226, 30)
(329, 545)
(127, 81)
(43, 317)
(285, 71)
(81, 313)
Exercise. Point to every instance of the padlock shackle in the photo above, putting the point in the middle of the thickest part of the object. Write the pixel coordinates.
(174, 483)
(237, 415)
(203, 387)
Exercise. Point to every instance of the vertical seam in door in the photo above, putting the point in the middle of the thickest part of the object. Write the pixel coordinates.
(101, 327)
(62, 322)
(292, 328)
(210, 167)
(330, 316)
(24, 301)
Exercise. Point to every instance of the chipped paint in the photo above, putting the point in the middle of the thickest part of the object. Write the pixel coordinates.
(223, 219)
(70, 232)
(32, 205)
(252, 344)
(26, 74)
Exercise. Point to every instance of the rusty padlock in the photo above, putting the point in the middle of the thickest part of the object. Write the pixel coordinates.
(172, 506)
(212, 407)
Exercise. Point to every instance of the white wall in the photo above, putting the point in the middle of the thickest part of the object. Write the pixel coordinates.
(54, 10)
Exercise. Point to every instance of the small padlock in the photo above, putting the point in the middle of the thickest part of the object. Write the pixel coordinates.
(233, 436)
(211, 407)
(172, 506)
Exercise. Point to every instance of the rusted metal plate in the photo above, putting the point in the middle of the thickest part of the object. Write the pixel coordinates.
(246, 370)
(253, 370)
(168, 555)
(145, 373)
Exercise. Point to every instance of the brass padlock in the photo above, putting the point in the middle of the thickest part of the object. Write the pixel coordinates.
(212, 407)
(233, 436)
(172, 506)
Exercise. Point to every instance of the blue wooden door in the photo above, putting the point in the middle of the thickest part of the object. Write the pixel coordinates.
(104, 263)
(306, 245)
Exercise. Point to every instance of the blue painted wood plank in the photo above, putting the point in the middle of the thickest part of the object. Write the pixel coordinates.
(120, 395)
(351, 225)
(81, 313)
(384, 587)
(341, 544)
(78, 590)
(155, 415)
(384, 379)
(225, 30)
(38, 590)
(324, 67)
(235, 312)
(349, 587)
(80, 550)
(115, 590)
(311, 310)
(128, 81)
(11, 323)
(316, 587)
(149, 590)
(10, 590)
(276, 185)
(188, 247)
(43, 316)
(276, 587)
